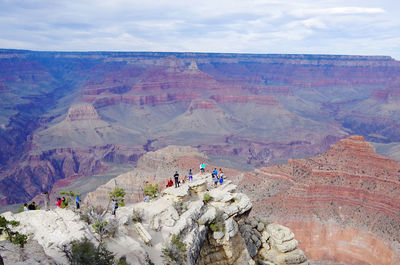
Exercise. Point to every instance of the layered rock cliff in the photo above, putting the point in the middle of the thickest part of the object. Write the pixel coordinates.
(181, 212)
(346, 196)
(104, 110)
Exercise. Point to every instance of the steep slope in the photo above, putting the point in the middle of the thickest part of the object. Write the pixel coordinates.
(243, 110)
(241, 241)
(83, 127)
(348, 190)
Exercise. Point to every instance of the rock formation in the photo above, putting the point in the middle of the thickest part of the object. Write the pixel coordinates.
(152, 168)
(60, 111)
(214, 231)
(346, 196)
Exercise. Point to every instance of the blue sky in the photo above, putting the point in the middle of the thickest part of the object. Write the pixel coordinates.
(365, 27)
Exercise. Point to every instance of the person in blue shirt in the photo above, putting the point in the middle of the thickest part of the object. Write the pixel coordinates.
(77, 202)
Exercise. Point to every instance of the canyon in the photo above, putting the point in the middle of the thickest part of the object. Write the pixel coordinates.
(313, 140)
(68, 114)
(343, 205)
(348, 196)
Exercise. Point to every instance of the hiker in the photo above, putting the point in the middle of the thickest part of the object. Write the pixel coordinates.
(190, 175)
(59, 202)
(214, 179)
(215, 172)
(46, 196)
(202, 167)
(32, 206)
(77, 202)
(170, 183)
(176, 177)
(64, 202)
(26, 207)
(221, 176)
(115, 207)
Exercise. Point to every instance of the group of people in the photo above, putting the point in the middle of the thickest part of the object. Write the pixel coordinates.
(170, 183)
(30, 207)
(215, 175)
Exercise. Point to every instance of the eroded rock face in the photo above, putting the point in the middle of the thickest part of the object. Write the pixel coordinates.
(349, 187)
(232, 106)
(211, 230)
(152, 168)
(32, 253)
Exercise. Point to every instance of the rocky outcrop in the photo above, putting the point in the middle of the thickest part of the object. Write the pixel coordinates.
(31, 254)
(210, 230)
(349, 188)
(152, 168)
(244, 110)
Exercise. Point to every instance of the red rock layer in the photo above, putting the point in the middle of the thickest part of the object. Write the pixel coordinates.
(328, 241)
(350, 185)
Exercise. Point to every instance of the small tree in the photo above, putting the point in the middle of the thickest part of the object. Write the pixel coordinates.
(118, 194)
(13, 236)
(69, 197)
(85, 252)
(151, 190)
(174, 252)
(206, 197)
(218, 224)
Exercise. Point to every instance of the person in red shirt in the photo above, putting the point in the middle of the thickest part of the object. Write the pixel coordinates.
(59, 201)
(170, 183)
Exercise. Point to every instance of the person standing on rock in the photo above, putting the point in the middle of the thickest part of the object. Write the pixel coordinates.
(190, 175)
(176, 178)
(202, 167)
(32, 206)
(26, 207)
(46, 199)
(114, 209)
(59, 202)
(77, 202)
(221, 176)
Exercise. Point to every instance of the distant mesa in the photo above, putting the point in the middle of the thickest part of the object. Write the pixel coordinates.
(82, 112)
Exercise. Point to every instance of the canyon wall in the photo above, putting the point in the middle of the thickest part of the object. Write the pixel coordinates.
(105, 109)
(343, 204)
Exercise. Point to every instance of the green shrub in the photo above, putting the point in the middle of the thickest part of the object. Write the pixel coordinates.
(174, 252)
(13, 236)
(179, 207)
(151, 190)
(136, 217)
(69, 197)
(118, 194)
(206, 197)
(122, 261)
(85, 252)
(218, 224)
(84, 216)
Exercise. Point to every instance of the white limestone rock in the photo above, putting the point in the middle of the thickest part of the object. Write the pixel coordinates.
(279, 233)
(143, 234)
(208, 216)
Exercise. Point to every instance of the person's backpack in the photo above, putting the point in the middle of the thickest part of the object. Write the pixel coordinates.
(116, 205)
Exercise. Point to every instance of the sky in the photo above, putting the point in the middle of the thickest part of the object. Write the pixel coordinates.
(359, 27)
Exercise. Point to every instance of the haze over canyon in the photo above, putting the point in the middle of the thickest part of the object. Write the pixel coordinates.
(313, 140)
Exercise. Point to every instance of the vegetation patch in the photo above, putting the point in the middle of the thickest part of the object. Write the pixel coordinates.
(206, 197)
(218, 224)
(151, 190)
(13, 236)
(174, 252)
(85, 252)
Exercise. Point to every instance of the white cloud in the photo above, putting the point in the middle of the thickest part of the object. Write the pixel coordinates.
(263, 26)
(301, 13)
